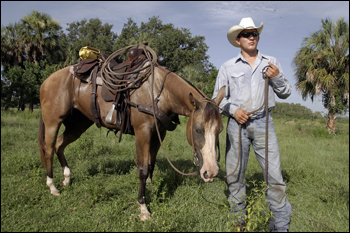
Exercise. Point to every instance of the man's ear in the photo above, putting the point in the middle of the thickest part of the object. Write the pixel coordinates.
(237, 41)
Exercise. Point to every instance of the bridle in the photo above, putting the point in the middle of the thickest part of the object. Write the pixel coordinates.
(195, 155)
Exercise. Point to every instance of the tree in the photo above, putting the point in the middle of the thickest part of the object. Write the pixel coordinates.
(93, 34)
(322, 67)
(11, 46)
(176, 48)
(39, 34)
(22, 85)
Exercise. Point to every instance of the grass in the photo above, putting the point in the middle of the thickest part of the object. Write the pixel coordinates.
(104, 188)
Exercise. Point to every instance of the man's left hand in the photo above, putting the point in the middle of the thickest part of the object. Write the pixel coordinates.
(272, 71)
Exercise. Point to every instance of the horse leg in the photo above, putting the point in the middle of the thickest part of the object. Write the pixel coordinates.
(142, 141)
(147, 146)
(154, 148)
(76, 124)
(48, 129)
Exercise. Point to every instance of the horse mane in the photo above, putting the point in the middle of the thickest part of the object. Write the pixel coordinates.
(211, 109)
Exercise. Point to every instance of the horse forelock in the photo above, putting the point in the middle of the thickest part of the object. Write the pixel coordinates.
(211, 112)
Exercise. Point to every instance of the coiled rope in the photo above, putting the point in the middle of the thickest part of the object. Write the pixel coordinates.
(114, 84)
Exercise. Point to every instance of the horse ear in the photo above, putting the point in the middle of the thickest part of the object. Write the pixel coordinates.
(220, 96)
(194, 101)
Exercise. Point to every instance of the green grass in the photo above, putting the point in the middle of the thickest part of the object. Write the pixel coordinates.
(104, 188)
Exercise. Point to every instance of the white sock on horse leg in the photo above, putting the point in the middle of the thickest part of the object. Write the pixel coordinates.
(66, 174)
(51, 185)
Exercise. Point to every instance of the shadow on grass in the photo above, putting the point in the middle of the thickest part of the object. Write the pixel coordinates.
(169, 178)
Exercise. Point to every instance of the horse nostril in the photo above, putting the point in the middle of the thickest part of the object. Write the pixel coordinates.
(205, 174)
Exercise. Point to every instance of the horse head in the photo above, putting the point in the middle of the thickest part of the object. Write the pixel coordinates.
(203, 129)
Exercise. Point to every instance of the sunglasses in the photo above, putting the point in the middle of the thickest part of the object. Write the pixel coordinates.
(247, 34)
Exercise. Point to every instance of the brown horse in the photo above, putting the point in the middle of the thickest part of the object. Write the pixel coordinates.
(65, 99)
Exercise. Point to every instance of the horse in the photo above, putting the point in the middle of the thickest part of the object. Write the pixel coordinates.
(65, 99)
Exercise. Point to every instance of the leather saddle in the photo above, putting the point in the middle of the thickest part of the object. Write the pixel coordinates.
(88, 69)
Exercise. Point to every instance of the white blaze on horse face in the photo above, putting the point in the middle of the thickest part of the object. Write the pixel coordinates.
(210, 166)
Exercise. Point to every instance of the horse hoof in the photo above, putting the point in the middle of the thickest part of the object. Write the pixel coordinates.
(55, 193)
(145, 217)
(64, 184)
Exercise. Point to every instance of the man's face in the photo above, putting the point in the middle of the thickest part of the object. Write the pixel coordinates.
(250, 43)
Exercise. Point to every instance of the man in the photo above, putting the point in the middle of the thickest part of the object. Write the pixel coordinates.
(243, 78)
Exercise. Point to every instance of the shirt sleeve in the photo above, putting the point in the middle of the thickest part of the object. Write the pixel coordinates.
(280, 83)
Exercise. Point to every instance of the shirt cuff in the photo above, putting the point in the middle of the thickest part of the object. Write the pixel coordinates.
(278, 80)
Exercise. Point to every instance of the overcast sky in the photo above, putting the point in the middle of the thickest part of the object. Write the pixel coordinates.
(286, 24)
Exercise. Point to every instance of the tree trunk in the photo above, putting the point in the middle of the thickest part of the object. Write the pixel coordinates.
(331, 122)
(31, 106)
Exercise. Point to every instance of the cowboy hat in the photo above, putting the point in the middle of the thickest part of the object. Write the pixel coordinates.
(246, 23)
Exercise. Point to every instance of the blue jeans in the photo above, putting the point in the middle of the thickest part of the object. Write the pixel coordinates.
(253, 132)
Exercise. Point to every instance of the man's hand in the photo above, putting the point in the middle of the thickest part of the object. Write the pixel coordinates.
(272, 71)
(241, 116)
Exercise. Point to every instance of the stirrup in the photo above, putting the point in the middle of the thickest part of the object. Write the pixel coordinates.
(109, 117)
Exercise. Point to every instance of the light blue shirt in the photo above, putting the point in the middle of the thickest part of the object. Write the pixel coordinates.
(245, 85)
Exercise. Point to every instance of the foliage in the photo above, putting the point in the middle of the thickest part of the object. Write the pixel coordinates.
(291, 110)
(22, 85)
(322, 67)
(37, 37)
(12, 48)
(257, 217)
(92, 33)
(39, 34)
(176, 48)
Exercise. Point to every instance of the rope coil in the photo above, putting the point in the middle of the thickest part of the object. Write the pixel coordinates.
(108, 75)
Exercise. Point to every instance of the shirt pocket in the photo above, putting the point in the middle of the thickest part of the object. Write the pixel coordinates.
(238, 80)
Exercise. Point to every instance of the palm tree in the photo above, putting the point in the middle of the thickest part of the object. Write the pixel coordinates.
(40, 35)
(322, 67)
(11, 46)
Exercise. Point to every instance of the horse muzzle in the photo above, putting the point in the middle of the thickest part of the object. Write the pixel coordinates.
(208, 171)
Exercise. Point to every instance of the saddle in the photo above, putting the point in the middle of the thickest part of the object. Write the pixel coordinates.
(89, 70)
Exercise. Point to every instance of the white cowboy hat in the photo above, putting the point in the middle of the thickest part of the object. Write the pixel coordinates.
(246, 23)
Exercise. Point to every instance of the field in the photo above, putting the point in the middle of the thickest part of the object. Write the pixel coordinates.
(104, 188)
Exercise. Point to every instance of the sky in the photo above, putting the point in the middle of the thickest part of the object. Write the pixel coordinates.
(286, 24)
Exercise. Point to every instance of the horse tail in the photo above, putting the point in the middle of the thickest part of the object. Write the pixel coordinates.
(41, 140)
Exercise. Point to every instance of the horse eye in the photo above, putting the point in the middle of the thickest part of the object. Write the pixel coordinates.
(200, 131)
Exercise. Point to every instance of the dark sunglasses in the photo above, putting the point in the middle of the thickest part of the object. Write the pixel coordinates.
(247, 34)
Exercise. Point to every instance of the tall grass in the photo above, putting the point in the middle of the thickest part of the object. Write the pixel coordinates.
(104, 188)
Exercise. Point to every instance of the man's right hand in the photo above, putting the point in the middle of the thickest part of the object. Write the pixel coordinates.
(241, 116)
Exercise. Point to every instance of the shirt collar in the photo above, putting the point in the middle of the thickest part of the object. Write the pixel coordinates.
(241, 58)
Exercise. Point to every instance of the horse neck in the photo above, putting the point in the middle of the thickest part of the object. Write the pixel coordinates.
(176, 94)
